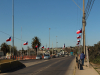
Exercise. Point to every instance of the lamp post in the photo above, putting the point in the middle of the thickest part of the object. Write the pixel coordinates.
(56, 41)
(13, 25)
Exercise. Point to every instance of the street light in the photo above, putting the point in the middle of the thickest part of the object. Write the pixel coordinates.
(56, 41)
(13, 25)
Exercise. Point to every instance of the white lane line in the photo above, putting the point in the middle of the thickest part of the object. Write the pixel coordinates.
(39, 70)
(33, 63)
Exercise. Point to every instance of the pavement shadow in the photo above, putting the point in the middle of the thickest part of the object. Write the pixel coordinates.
(15, 69)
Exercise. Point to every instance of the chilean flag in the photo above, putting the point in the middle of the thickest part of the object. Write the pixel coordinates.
(78, 40)
(77, 43)
(26, 43)
(64, 45)
(43, 47)
(78, 36)
(36, 46)
(48, 48)
(9, 39)
(79, 31)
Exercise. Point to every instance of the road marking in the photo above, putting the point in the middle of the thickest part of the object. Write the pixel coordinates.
(33, 63)
(39, 70)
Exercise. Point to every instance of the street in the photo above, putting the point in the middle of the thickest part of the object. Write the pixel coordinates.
(54, 66)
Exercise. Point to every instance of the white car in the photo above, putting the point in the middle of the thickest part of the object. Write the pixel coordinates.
(47, 56)
(38, 57)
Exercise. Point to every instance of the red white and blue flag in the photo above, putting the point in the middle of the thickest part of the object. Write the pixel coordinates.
(36, 46)
(78, 36)
(78, 40)
(9, 39)
(26, 43)
(79, 31)
(77, 43)
(43, 47)
(47, 48)
(64, 45)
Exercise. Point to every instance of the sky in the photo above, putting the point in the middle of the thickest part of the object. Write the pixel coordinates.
(35, 17)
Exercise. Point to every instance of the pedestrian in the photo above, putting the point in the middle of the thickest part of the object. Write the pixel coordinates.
(82, 56)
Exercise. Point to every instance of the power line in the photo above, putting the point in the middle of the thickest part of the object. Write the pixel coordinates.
(89, 7)
(11, 36)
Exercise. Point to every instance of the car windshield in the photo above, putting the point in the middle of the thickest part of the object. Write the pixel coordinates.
(46, 55)
(38, 55)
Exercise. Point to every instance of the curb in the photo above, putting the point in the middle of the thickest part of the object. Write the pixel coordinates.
(74, 71)
(94, 68)
(74, 68)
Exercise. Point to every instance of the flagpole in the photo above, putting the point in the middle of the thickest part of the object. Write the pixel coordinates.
(13, 24)
(52, 48)
(21, 40)
(10, 48)
(37, 50)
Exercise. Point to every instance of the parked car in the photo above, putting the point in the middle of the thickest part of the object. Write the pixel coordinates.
(47, 56)
(38, 57)
(62, 55)
(53, 56)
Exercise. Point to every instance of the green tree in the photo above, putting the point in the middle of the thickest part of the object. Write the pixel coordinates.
(14, 49)
(35, 41)
(4, 48)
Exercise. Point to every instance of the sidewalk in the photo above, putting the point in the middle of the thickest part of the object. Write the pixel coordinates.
(86, 70)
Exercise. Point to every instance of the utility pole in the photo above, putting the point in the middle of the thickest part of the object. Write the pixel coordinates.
(84, 22)
(46, 45)
(52, 48)
(21, 40)
(49, 37)
(56, 41)
(13, 25)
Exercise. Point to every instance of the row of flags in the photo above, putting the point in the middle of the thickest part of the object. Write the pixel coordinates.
(78, 37)
(9, 39)
(26, 43)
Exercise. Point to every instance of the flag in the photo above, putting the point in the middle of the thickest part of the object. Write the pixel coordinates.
(64, 45)
(77, 43)
(9, 39)
(26, 43)
(78, 40)
(36, 46)
(79, 31)
(43, 47)
(78, 36)
(47, 48)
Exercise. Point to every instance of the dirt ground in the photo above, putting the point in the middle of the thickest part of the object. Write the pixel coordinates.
(96, 67)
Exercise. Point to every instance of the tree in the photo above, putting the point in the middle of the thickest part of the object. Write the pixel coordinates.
(4, 48)
(14, 49)
(35, 41)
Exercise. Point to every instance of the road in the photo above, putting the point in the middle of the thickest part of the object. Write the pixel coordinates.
(54, 66)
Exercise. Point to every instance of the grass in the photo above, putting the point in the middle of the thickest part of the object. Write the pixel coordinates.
(5, 60)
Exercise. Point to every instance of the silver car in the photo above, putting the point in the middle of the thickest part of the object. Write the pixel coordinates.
(38, 57)
(47, 56)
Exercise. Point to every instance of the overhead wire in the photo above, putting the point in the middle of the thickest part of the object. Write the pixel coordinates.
(11, 36)
(88, 8)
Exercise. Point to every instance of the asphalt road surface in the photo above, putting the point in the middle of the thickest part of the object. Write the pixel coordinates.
(54, 66)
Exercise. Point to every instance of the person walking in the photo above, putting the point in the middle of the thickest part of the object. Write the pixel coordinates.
(82, 56)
